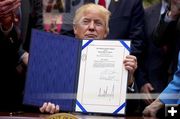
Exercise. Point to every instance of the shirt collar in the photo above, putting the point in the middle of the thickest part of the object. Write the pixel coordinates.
(164, 6)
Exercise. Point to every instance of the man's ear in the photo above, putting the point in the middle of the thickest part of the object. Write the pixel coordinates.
(75, 29)
(105, 34)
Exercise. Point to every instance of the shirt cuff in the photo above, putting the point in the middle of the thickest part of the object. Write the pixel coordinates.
(131, 88)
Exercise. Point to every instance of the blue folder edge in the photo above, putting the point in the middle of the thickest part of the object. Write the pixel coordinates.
(40, 54)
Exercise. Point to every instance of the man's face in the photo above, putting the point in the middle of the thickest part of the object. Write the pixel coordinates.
(91, 26)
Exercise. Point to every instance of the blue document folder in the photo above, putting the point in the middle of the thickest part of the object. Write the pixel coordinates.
(66, 71)
(52, 70)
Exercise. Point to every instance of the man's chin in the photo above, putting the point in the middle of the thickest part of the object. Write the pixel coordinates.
(90, 38)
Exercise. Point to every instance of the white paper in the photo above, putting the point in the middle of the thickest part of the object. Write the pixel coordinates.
(102, 78)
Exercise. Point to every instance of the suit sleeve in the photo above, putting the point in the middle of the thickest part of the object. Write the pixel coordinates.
(35, 21)
(136, 29)
(138, 42)
(141, 76)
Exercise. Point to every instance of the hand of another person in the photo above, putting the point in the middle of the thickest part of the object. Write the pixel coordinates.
(8, 6)
(174, 9)
(49, 108)
(153, 108)
(147, 89)
(7, 9)
(25, 58)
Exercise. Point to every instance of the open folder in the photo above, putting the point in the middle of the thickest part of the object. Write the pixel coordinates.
(78, 75)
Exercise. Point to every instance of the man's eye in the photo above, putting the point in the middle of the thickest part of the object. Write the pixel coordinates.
(85, 22)
(99, 24)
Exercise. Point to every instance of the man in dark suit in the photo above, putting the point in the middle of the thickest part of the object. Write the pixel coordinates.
(167, 33)
(126, 21)
(93, 24)
(17, 18)
(168, 29)
(152, 75)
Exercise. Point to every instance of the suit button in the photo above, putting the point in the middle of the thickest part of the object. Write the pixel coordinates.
(11, 40)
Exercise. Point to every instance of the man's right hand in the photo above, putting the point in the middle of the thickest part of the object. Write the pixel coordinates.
(147, 89)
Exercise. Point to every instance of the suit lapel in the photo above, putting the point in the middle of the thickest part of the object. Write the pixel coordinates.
(114, 5)
(156, 12)
(25, 10)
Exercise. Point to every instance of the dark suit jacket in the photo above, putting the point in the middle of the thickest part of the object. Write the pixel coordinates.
(168, 33)
(126, 22)
(173, 89)
(156, 62)
(31, 18)
(11, 51)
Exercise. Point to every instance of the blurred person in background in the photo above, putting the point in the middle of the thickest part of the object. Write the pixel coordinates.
(167, 33)
(17, 18)
(153, 75)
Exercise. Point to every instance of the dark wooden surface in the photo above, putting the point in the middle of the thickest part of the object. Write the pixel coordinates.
(21, 115)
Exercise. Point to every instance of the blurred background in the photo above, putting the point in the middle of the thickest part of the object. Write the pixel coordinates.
(147, 3)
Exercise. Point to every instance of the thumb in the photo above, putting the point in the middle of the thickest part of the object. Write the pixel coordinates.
(151, 88)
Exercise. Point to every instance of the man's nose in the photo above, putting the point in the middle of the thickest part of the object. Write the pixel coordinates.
(91, 25)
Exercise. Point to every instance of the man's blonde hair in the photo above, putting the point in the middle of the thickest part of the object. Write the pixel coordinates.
(80, 11)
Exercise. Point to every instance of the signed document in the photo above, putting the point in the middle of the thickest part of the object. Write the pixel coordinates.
(102, 80)
(78, 75)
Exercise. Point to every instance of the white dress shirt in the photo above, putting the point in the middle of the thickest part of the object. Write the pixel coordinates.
(164, 8)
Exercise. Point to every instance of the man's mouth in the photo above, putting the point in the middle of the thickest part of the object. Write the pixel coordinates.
(90, 36)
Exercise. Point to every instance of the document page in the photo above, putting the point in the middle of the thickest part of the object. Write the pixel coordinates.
(102, 77)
